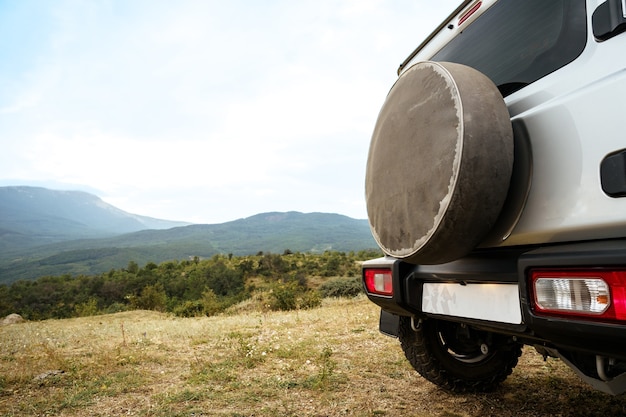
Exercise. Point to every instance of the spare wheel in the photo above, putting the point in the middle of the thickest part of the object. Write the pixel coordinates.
(439, 163)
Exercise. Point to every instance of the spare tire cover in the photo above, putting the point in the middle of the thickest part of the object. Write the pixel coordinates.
(439, 164)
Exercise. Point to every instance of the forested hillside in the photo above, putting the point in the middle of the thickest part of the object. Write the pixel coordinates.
(191, 287)
(267, 232)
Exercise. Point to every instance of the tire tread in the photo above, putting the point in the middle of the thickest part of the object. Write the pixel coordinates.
(421, 356)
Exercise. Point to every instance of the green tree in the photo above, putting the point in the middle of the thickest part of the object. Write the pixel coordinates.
(132, 267)
(88, 308)
(152, 297)
(211, 303)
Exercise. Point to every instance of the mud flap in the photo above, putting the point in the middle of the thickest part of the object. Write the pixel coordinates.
(389, 323)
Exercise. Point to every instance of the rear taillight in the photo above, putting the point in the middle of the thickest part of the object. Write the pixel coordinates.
(379, 281)
(592, 294)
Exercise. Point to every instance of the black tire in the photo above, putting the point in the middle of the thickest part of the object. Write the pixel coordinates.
(449, 355)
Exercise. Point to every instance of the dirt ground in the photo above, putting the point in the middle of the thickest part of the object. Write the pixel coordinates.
(329, 361)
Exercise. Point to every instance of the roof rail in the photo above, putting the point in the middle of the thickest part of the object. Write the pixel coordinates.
(432, 35)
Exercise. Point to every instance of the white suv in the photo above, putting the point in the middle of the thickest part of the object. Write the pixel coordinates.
(496, 187)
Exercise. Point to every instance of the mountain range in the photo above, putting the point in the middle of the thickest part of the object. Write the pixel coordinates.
(50, 232)
(32, 216)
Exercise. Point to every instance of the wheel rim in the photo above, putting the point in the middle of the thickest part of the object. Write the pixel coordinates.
(462, 344)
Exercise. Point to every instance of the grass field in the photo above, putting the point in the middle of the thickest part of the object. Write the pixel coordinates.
(329, 361)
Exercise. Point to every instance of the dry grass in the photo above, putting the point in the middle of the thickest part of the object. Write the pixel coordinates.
(329, 361)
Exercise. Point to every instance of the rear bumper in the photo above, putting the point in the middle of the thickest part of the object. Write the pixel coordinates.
(509, 267)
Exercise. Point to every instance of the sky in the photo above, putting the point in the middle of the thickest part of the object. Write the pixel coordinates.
(201, 111)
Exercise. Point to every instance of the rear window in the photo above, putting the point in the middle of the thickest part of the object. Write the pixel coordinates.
(517, 42)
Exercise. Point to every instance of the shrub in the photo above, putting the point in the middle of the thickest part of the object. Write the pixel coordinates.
(115, 308)
(152, 297)
(210, 303)
(189, 309)
(88, 308)
(283, 296)
(291, 296)
(342, 287)
(310, 299)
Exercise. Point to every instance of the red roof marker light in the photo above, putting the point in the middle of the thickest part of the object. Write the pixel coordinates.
(469, 13)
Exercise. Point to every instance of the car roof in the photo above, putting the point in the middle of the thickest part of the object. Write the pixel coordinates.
(454, 24)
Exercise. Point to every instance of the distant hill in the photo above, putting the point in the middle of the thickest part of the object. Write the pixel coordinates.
(33, 216)
(60, 233)
(268, 232)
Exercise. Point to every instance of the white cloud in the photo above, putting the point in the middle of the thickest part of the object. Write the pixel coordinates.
(204, 110)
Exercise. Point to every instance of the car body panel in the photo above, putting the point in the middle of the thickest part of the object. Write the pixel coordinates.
(574, 120)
